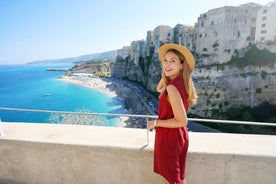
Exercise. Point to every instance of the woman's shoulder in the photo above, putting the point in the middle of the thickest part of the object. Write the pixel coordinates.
(172, 89)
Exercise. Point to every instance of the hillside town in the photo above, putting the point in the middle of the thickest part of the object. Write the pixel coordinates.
(219, 33)
(218, 36)
(223, 41)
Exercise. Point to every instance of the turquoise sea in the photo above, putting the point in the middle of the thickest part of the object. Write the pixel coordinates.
(30, 86)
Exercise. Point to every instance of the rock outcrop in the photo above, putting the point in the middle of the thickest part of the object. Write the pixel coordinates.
(219, 86)
(233, 87)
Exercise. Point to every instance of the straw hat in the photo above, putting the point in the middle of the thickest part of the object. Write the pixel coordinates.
(180, 48)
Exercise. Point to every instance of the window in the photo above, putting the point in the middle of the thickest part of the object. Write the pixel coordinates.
(263, 31)
(262, 38)
(264, 17)
(263, 25)
(216, 33)
(265, 11)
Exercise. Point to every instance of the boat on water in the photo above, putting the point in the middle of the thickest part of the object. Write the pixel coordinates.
(47, 94)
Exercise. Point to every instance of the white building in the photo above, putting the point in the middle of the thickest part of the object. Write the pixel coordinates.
(161, 35)
(183, 35)
(266, 24)
(137, 50)
(149, 42)
(225, 31)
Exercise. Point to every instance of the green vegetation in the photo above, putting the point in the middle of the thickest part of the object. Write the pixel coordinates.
(258, 90)
(264, 74)
(265, 112)
(228, 51)
(215, 45)
(217, 95)
(254, 57)
(97, 68)
(226, 103)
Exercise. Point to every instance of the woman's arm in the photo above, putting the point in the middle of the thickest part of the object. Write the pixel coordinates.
(180, 116)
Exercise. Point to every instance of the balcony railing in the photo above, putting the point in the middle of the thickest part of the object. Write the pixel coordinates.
(43, 153)
(147, 117)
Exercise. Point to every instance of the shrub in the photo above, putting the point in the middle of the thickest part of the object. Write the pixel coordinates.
(263, 74)
(272, 119)
(258, 90)
(247, 116)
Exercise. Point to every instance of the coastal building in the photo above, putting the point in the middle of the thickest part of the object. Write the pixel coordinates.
(226, 31)
(137, 50)
(119, 67)
(124, 52)
(266, 25)
(183, 35)
(161, 35)
(149, 43)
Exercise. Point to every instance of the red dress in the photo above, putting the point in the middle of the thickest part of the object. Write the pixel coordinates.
(171, 144)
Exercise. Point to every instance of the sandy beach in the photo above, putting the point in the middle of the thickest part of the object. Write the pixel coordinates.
(90, 82)
(129, 97)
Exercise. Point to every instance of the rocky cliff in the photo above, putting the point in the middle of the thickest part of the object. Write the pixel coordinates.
(95, 68)
(219, 87)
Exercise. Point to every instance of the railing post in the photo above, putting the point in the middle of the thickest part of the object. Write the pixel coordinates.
(147, 132)
(1, 129)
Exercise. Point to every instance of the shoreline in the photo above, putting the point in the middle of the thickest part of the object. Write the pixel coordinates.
(94, 83)
(131, 102)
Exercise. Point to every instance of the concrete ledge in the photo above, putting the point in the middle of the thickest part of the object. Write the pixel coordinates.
(47, 153)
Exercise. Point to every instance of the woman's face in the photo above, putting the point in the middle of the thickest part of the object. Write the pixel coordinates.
(172, 65)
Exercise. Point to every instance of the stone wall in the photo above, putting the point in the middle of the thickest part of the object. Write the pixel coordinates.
(225, 31)
(47, 153)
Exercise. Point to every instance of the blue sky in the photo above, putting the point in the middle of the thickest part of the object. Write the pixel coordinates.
(32, 30)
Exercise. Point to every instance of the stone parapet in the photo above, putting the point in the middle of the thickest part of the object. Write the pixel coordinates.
(48, 153)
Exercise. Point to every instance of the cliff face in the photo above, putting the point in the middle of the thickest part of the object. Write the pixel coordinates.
(146, 72)
(93, 68)
(233, 87)
(217, 87)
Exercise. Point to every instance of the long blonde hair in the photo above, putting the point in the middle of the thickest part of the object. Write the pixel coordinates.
(186, 77)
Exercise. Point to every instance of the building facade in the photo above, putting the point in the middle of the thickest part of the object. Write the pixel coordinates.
(266, 24)
(225, 31)
(183, 35)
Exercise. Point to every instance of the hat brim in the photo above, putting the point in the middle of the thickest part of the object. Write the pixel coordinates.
(180, 48)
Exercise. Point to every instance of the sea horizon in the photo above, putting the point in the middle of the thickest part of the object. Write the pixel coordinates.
(30, 86)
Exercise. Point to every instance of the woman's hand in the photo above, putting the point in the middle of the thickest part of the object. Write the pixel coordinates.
(161, 86)
(150, 125)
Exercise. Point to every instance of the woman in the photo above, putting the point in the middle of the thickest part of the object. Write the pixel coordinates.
(177, 95)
